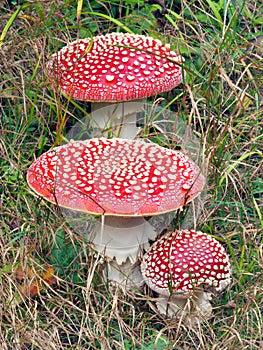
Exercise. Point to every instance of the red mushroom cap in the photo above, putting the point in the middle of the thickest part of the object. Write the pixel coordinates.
(181, 261)
(115, 67)
(116, 177)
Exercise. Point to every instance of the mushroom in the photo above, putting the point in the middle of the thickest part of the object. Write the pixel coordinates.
(116, 67)
(180, 265)
(121, 180)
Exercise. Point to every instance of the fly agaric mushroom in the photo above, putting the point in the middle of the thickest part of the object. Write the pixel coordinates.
(180, 264)
(115, 67)
(122, 180)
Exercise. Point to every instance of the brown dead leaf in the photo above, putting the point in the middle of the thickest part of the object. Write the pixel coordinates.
(32, 283)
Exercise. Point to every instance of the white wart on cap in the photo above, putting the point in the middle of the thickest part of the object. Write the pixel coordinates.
(183, 261)
(115, 67)
(120, 177)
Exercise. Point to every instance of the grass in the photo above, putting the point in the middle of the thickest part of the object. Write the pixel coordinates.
(221, 100)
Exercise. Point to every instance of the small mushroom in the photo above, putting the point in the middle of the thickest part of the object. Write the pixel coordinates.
(116, 67)
(179, 265)
(121, 180)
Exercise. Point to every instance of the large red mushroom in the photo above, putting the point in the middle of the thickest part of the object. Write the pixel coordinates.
(116, 67)
(122, 180)
(180, 264)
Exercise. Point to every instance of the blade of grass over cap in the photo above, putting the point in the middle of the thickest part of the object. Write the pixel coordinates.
(79, 9)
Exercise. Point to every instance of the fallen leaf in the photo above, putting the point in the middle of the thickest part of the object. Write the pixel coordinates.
(32, 282)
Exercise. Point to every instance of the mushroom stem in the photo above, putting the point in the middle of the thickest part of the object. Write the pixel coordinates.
(123, 237)
(198, 304)
(117, 119)
(126, 275)
(122, 240)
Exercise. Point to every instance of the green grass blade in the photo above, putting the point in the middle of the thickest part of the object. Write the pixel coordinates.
(213, 7)
(113, 20)
(79, 9)
(258, 212)
(8, 24)
(231, 167)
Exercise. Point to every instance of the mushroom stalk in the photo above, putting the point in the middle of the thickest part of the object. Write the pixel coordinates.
(198, 304)
(116, 119)
(122, 240)
(126, 274)
(123, 237)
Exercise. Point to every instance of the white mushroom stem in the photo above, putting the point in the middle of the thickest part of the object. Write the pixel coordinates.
(197, 305)
(127, 275)
(123, 237)
(118, 119)
(122, 240)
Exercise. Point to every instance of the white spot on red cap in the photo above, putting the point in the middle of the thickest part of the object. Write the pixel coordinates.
(130, 77)
(109, 77)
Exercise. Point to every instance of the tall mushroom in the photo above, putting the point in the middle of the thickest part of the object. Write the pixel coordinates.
(112, 68)
(179, 265)
(122, 180)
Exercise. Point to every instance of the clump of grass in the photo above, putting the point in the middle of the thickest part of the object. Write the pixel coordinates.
(220, 101)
